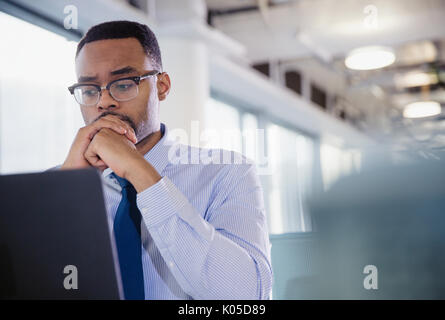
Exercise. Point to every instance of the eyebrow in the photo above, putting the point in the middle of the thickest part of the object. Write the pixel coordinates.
(124, 70)
(86, 79)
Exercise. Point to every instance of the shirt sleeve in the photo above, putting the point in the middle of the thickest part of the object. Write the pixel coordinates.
(225, 255)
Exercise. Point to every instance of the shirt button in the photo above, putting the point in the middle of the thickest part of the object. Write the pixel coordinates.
(170, 264)
(144, 210)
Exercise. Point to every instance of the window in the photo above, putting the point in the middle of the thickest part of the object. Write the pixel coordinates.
(38, 116)
(318, 96)
(223, 124)
(337, 162)
(233, 129)
(264, 68)
(290, 183)
(251, 139)
(293, 81)
(284, 159)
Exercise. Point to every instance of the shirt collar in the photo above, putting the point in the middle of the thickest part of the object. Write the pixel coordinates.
(157, 156)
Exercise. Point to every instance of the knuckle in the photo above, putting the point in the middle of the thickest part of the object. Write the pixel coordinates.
(101, 122)
(82, 130)
(104, 132)
(110, 117)
(100, 134)
(107, 119)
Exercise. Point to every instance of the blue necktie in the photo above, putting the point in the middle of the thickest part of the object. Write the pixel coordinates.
(127, 231)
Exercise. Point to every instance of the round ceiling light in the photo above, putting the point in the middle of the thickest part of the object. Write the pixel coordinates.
(422, 109)
(369, 58)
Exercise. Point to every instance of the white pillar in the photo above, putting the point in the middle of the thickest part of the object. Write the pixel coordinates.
(185, 59)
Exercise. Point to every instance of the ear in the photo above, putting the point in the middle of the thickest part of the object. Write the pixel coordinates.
(163, 85)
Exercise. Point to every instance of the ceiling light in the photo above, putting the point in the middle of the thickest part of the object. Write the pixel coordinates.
(422, 109)
(415, 79)
(368, 58)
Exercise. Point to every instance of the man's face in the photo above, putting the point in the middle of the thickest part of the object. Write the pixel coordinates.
(100, 62)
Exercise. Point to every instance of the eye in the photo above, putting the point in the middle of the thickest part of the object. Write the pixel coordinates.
(87, 91)
(90, 92)
(124, 86)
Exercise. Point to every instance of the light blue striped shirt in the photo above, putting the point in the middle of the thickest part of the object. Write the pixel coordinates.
(204, 229)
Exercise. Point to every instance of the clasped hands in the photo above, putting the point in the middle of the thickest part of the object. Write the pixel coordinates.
(110, 142)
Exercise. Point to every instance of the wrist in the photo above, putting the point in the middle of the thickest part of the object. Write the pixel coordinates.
(141, 174)
(67, 165)
(71, 166)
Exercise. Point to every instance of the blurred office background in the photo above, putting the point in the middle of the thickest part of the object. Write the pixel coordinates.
(322, 80)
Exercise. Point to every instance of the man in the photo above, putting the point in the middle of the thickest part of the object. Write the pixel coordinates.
(182, 230)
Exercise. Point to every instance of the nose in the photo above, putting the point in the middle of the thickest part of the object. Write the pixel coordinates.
(106, 101)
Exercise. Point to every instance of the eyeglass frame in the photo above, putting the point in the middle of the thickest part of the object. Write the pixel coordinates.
(136, 79)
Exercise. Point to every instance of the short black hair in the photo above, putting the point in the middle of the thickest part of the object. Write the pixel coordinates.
(125, 29)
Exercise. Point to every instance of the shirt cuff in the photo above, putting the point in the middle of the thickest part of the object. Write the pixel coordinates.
(159, 202)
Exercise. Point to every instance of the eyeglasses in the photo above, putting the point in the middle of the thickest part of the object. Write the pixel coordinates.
(121, 89)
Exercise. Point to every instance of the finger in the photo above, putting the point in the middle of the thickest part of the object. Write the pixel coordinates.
(95, 127)
(100, 163)
(91, 156)
(130, 134)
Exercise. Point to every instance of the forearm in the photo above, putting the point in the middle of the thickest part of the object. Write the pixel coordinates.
(207, 263)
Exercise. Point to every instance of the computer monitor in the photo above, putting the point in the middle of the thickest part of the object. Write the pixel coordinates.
(55, 241)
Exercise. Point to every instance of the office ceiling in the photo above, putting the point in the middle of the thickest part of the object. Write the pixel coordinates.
(333, 26)
(315, 36)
